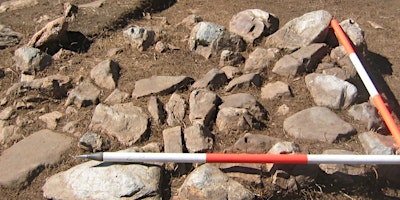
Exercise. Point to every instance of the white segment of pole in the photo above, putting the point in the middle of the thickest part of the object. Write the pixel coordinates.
(154, 157)
(363, 75)
(353, 159)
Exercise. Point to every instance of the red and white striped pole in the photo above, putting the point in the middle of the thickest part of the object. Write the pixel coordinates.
(375, 96)
(132, 157)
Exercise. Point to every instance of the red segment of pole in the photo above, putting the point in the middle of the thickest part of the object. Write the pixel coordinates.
(342, 37)
(387, 118)
(257, 158)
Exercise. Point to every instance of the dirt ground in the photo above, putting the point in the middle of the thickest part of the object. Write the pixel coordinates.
(105, 32)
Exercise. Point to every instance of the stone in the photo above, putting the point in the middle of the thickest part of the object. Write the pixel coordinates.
(203, 106)
(139, 38)
(96, 180)
(356, 35)
(190, 21)
(23, 161)
(283, 110)
(11, 5)
(303, 60)
(85, 94)
(156, 110)
(330, 91)
(337, 72)
(367, 114)
(173, 143)
(295, 177)
(176, 110)
(198, 139)
(71, 127)
(299, 32)
(248, 102)
(281, 147)
(261, 59)
(230, 58)
(376, 144)
(93, 142)
(213, 80)
(244, 81)
(7, 113)
(254, 143)
(247, 172)
(161, 47)
(277, 89)
(126, 122)
(318, 124)
(51, 119)
(31, 60)
(208, 182)
(235, 120)
(9, 134)
(253, 24)
(231, 72)
(8, 37)
(160, 85)
(93, 4)
(208, 39)
(106, 74)
(51, 35)
(116, 96)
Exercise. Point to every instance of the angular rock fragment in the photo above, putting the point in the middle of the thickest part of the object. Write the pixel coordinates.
(7, 112)
(156, 110)
(253, 24)
(318, 124)
(230, 58)
(85, 94)
(140, 38)
(254, 143)
(260, 59)
(160, 85)
(244, 81)
(235, 120)
(126, 122)
(330, 91)
(190, 21)
(275, 90)
(117, 96)
(51, 119)
(8, 37)
(93, 142)
(173, 143)
(377, 144)
(9, 134)
(231, 72)
(30, 60)
(176, 110)
(246, 101)
(106, 74)
(203, 106)
(198, 139)
(213, 80)
(367, 114)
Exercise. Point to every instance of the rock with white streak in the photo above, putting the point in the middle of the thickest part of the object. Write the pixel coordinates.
(317, 124)
(126, 122)
(203, 106)
(96, 180)
(176, 110)
(253, 24)
(160, 85)
(244, 81)
(198, 139)
(106, 74)
(330, 91)
(299, 32)
(208, 182)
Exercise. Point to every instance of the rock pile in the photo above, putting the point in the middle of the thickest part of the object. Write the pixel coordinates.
(196, 110)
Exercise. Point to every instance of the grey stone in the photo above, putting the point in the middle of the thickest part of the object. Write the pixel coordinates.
(93, 142)
(277, 89)
(176, 110)
(317, 123)
(160, 85)
(234, 120)
(116, 96)
(260, 59)
(85, 94)
(7, 112)
(246, 101)
(22, 162)
(231, 72)
(330, 91)
(140, 38)
(337, 72)
(156, 110)
(126, 122)
(230, 58)
(173, 143)
(244, 81)
(253, 24)
(254, 143)
(213, 80)
(309, 28)
(367, 114)
(208, 182)
(376, 144)
(303, 60)
(31, 60)
(51, 119)
(8, 37)
(96, 180)
(198, 138)
(356, 35)
(203, 106)
(106, 74)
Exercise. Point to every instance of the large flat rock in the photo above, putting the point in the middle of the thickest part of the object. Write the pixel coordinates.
(160, 85)
(23, 161)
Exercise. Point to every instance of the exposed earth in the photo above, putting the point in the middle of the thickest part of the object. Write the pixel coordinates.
(103, 28)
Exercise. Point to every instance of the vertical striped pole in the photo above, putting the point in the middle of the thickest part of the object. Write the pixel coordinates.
(375, 96)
